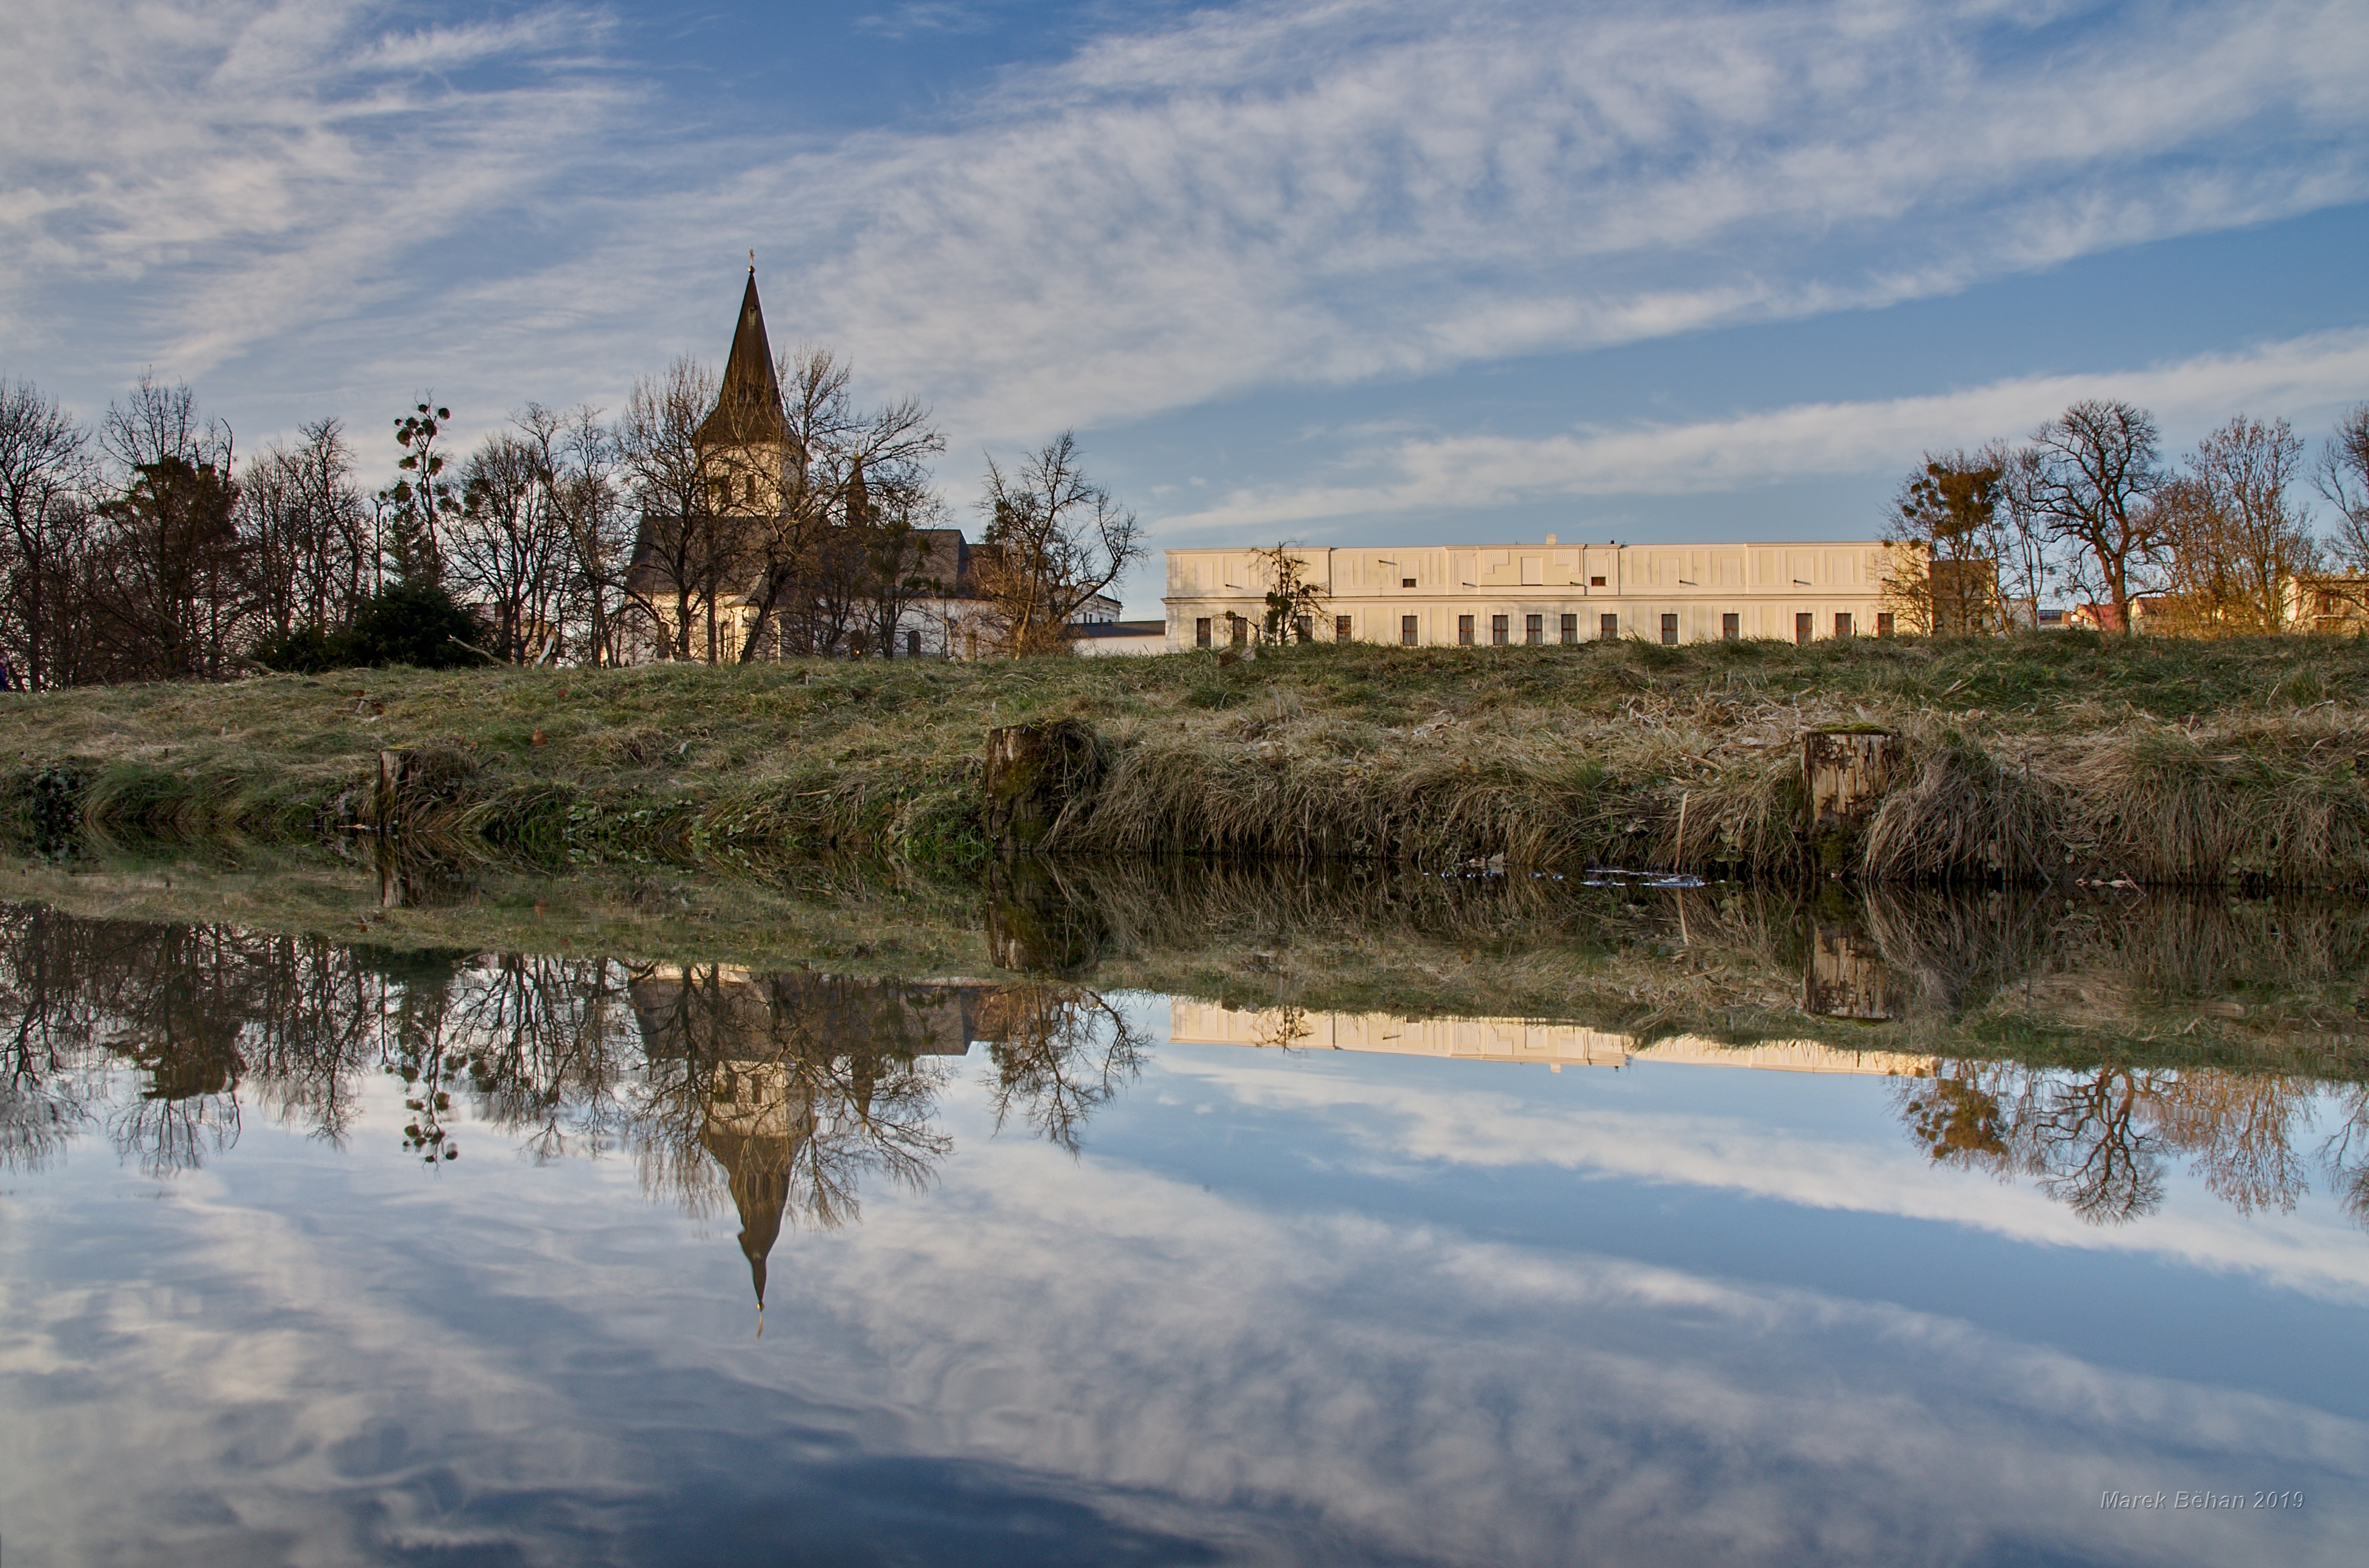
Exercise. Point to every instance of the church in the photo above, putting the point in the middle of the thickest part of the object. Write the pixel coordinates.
(716, 579)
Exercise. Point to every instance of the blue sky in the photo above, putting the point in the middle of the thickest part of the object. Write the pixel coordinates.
(1337, 271)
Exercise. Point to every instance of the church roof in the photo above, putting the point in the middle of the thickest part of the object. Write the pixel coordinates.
(749, 409)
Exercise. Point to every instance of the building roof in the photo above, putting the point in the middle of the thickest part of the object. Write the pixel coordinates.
(748, 405)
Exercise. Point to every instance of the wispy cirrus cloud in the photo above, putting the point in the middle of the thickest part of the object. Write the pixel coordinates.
(1299, 194)
(1331, 193)
(1417, 473)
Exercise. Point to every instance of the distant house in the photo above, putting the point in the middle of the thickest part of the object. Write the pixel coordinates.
(1552, 592)
(1098, 637)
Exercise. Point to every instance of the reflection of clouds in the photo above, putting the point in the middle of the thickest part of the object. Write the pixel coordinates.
(347, 1353)
(1417, 1393)
(1396, 1121)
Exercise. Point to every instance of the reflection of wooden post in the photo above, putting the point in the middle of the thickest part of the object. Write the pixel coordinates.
(1844, 775)
(392, 894)
(1845, 977)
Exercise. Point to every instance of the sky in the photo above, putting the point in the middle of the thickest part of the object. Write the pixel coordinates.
(1346, 271)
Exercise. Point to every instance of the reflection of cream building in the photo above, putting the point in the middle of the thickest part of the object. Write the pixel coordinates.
(1509, 1039)
(1549, 593)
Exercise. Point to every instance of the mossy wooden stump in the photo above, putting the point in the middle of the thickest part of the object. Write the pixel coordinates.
(1035, 772)
(1845, 772)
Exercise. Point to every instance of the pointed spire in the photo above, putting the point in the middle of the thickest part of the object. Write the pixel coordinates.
(748, 407)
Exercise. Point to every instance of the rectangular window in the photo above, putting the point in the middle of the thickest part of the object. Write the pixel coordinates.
(1340, 628)
(1498, 628)
(1595, 582)
(1406, 582)
(1609, 627)
(1804, 626)
(1240, 628)
(1201, 631)
(913, 645)
(1464, 630)
(1534, 629)
(1303, 628)
(1669, 630)
(1731, 627)
(1407, 635)
(1883, 623)
(1842, 624)
(1570, 630)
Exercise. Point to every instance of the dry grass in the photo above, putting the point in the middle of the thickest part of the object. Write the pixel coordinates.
(2031, 758)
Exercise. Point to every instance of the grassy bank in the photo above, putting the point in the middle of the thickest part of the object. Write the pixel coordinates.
(2038, 758)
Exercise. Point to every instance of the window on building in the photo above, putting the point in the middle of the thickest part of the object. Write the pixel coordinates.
(1464, 630)
(1408, 636)
(1595, 582)
(1534, 629)
(913, 645)
(1340, 628)
(1804, 626)
(1201, 631)
(1240, 628)
(1842, 624)
(1406, 582)
(1609, 627)
(1499, 626)
(1303, 628)
(1669, 630)
(1570, 630)
(1883, 623)
(1731, 627)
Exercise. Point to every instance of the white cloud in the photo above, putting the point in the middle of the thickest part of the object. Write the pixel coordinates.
(1339, 191)
(329, 196)
(2298, 377)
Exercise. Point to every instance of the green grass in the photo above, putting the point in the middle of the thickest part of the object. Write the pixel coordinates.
(2041, 756)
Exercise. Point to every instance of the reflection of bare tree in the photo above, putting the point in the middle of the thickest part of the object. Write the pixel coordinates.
(2098, 1139)
(543, 1038)
(1060, 1053)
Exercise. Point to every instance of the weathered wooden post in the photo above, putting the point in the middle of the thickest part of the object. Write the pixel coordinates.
(1034, 772)
(390, 787)
(1844, 771)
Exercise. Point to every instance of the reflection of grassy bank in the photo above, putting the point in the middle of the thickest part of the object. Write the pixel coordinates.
(2255, 985)
(2164, 759)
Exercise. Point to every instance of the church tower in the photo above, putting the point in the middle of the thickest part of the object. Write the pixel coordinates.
(745, 443)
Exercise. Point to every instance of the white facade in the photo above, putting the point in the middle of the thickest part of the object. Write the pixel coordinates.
(1550, 592)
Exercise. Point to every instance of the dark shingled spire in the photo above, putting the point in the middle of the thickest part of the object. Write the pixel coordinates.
(749, 410)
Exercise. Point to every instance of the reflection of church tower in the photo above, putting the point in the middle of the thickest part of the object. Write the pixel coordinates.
(754, 1131)
(745, 443)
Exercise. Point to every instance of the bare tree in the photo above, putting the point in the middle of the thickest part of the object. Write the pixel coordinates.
(2342, 475)
(1054, 539)
(509, 549)
(579, 457)
(2239, 543)
(2093, 468)
(312, 547)
(685, 555)
(44, 477)
(1945, 577)
(170, 594)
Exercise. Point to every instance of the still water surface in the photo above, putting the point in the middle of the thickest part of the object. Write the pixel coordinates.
(315, 1253)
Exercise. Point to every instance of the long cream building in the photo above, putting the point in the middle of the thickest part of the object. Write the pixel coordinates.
(1548, 592)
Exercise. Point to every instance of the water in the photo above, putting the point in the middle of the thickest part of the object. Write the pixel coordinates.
(319, 1253)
